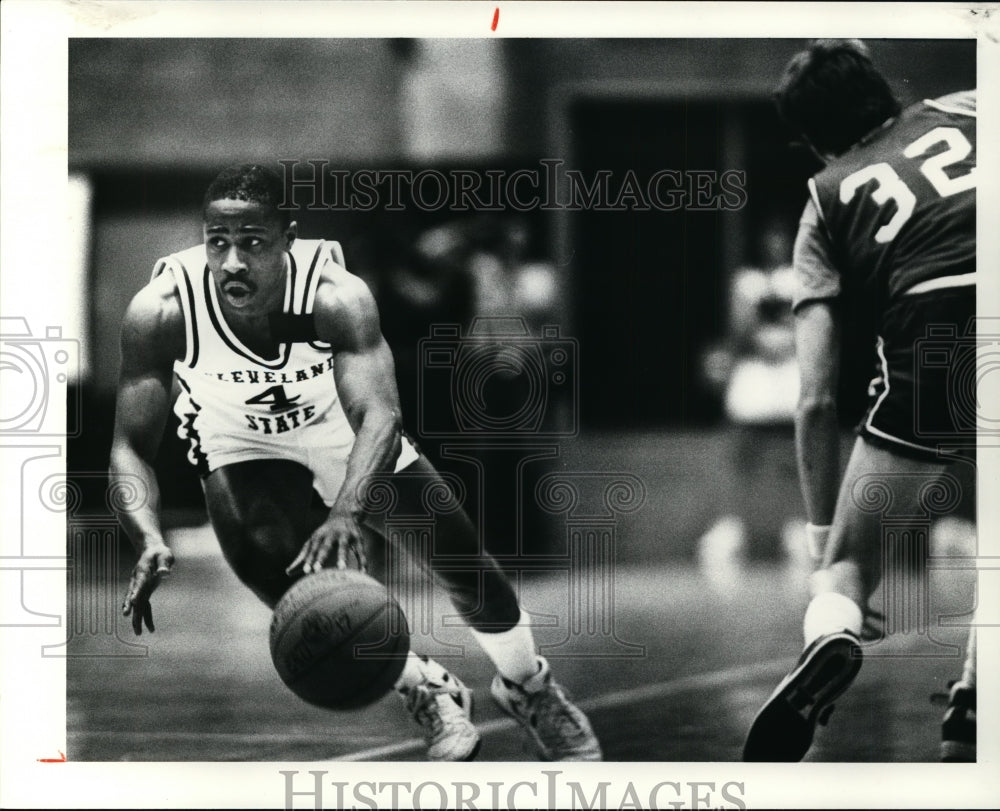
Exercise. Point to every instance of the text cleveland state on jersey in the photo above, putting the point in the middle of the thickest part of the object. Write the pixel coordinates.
(218, 373)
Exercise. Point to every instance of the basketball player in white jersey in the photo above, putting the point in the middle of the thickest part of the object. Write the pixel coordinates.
(288, 385)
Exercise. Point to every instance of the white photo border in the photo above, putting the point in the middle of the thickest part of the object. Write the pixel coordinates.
(34, 179)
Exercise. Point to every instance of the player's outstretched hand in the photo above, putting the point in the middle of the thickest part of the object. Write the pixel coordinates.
(154, 562)
(338, 535)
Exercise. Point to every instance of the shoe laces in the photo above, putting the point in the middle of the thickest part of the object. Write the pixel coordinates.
(432, 714)
(551, 714)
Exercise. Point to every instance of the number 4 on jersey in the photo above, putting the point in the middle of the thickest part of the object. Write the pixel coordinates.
(892, 187)
(275, 397)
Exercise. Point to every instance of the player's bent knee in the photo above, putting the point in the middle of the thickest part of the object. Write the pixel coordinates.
(258, 555)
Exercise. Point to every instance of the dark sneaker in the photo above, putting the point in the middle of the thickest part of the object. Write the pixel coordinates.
(558, 728)
(783, 729)
(958, 729)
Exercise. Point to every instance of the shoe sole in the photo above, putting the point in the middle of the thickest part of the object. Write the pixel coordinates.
(783, 730)
(958, 752)
(469, 757)
(472, 755)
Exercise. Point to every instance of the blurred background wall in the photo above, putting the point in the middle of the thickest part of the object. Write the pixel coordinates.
(646, 293)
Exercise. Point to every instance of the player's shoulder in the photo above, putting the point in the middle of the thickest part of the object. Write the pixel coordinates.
(155, 316)
(316, 252)
(874, 147)
(344, 305)
(341, 291)
(190, 259)
(336, 285)
(962, 102)
(159, 299)
(951, 110)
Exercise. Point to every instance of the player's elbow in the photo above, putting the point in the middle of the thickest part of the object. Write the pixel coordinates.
(127, 455)
(120, 450)
(122, 465)
(122, 458)
(389, 419)
(392, 426)
(383, 418)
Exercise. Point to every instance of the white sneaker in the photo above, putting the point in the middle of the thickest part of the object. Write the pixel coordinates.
(558, 728)
(443, 708)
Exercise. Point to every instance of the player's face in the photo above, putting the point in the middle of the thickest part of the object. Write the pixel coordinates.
(245, 244)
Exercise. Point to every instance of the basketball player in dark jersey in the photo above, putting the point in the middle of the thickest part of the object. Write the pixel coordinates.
(887, 239)
(288, 385)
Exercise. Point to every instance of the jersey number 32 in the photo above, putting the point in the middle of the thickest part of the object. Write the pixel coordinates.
(892, 187)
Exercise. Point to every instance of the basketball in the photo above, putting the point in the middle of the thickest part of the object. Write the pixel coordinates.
(338, 639)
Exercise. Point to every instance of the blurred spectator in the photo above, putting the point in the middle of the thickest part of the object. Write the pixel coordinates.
(475, 273)
(756, 373)
(430, 285)
(511, 288)
(509, 280)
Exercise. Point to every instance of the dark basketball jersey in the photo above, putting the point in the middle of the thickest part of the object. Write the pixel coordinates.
(900, 207)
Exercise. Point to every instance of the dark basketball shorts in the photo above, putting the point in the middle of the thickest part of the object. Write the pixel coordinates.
(922, 402)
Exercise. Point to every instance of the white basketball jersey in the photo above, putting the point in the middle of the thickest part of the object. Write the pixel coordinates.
(232, 397)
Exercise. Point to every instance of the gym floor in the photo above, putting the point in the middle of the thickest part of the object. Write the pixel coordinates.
(705, 671)
(696, 640)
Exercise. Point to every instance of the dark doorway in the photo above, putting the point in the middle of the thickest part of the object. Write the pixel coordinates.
(651, 285)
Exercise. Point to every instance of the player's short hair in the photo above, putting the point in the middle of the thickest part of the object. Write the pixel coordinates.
(250, 182)
(833, 95)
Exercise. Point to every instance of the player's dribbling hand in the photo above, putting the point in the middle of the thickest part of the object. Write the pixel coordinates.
(340, 536)
(154, 562)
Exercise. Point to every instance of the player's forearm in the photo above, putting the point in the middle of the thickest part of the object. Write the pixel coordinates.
(140, 520)
(817, 443)
(377, 445)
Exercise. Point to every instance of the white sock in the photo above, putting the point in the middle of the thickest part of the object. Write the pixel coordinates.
(829, 613)
(969, 672)
(512, 651)
(417, 669)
